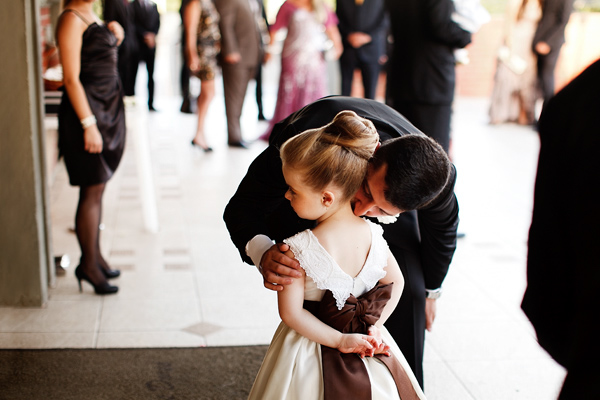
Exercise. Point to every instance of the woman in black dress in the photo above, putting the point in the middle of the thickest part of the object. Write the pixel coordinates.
(91, 122)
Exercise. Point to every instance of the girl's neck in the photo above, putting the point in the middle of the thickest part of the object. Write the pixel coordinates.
(340, 213)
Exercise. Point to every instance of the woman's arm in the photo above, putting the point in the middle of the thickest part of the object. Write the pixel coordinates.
(333, 34)
(292, 312)
(69, 38)
(191, 16)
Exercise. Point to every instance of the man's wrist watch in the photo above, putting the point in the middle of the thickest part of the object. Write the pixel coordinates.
(433, 294)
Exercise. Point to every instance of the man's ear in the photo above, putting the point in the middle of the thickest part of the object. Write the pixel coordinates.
(327, 198)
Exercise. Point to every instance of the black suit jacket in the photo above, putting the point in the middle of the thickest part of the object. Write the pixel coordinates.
(551, 27)
(259, 206)
(369, 18)
(563, 267)
(117, 10)
(146, 19)
(422, 63)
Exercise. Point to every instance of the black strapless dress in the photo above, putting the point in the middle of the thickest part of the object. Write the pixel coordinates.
(100, 79)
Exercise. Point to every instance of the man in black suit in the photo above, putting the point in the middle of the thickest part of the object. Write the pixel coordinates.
(117, 10)
(421, 75)
(147, 23)
(547, 41)
(563, 271)
(363, 25)
(417, 173)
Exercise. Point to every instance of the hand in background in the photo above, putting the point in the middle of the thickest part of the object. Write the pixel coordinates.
(232, 58)
(358, 39)
(150, 39)
(116, 30)
(542, 48)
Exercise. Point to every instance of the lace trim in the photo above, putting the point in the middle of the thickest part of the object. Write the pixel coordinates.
(321, 267)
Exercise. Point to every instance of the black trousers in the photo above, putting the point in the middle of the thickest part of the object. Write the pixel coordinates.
(351, 60)
(407, 322)
(431, 119)
(545, 73)
(147, 55)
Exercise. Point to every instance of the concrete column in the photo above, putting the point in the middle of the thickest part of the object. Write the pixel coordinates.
(25, 243)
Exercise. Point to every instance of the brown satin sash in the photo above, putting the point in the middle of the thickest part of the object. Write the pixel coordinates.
(345, 375)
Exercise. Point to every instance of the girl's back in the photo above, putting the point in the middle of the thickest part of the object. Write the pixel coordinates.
(348, 241)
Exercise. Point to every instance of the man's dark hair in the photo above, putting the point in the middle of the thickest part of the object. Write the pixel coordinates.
(417, 170)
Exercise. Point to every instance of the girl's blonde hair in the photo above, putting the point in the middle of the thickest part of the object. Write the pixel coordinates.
(337, 153)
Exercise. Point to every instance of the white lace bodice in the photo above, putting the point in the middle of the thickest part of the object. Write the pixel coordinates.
(323, 273)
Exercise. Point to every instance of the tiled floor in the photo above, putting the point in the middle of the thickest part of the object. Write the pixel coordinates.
(184, 285)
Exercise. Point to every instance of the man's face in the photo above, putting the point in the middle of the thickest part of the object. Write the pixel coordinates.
(369, 200)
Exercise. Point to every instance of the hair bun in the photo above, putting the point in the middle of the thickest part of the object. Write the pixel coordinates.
(356, 134)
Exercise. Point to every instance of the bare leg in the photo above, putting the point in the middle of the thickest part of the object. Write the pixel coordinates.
(207, 93)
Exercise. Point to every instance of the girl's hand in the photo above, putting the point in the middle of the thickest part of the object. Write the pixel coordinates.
(116, 30)
(356, 343)
(92, 140)
(381, 347)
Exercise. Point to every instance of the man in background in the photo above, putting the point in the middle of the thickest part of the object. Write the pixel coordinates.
(547, 41)
(364, 26)
(421, 81)
(147, 22)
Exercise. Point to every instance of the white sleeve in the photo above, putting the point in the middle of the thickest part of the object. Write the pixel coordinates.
(257, 246)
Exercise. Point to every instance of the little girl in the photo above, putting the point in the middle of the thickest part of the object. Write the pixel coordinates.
(351, 284)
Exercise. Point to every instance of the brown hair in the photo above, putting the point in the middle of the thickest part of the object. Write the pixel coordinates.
(337, 153)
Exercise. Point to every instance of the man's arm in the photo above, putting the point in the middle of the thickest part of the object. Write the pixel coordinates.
(261, 191)
(438, 223)
(551, 27)
(441, 26)
(227, 21)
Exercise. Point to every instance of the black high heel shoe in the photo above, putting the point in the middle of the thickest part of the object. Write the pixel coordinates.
(101, 288)
(110, 273)
(206, 149)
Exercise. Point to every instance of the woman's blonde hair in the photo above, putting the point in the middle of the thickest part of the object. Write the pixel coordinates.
(337, 153)
(320, 10)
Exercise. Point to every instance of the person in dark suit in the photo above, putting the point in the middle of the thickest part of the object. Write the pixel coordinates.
(241, 52)
(563, 272)
(117, 10)
(547, 41)
(363, 25)
(188, 106)
(423, 242)
(264, 28)
(421, 81)
(147, 23)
